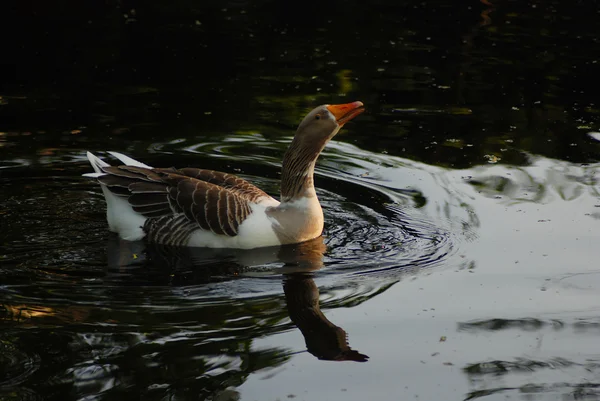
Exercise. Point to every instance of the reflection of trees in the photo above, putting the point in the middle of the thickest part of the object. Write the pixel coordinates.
(518, 375)
(523, 68)
(538, 183)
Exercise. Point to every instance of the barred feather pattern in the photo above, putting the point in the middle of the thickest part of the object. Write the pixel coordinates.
(298, 167)
(170, 230)
(228, 181)
(177, 202)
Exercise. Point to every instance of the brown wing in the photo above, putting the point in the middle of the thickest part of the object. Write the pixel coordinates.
(178, 203)
(229, 181)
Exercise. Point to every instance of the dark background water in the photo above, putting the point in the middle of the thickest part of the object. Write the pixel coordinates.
(461, 209)
(134, 72)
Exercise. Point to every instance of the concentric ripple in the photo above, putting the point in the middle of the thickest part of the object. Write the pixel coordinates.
(194, 313)
(366, 242)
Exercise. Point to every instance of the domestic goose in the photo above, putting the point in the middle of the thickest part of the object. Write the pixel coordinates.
(205, 208)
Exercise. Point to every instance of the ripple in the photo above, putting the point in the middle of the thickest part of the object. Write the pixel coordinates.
(10, 164)
(15, 365)
(366, 241)
(581, 281)
(370, 227)
(373, 227)
(525, 365)
(560, 390)
(525, 324)
(52, 229)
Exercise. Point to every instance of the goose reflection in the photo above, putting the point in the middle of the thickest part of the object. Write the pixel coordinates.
(324, 340)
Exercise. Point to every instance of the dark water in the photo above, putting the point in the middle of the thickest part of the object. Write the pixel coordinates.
(459, 259)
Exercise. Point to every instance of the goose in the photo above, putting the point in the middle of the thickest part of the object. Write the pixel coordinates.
(203, 208)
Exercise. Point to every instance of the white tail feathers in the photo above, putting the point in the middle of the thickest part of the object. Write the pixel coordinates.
(121, 217)
(128, 160)
(93, 175)
(98, 164)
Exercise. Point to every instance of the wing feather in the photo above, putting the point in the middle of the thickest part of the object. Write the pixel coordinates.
(235, 184)
(148, 199)
(145, 187)
(177, 202)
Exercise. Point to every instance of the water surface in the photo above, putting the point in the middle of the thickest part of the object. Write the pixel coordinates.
(459, 255)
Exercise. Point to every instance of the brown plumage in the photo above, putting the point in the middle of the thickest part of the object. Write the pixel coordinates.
(210, 200)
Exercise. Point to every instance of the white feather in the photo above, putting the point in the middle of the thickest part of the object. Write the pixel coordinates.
(595, 135)
(96, 163)
(121, 217)
(256, 231)
(93, 175)
(128, 160)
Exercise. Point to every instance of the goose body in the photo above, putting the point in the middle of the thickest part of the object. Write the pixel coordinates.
(205, 208)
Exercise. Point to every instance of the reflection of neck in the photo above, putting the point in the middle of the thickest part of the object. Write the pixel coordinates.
(323, 339)
(298, 170)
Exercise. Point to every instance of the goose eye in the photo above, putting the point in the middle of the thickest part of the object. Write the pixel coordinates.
(318, 117)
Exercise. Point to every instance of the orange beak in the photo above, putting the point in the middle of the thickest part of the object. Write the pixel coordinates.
(346, 112)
